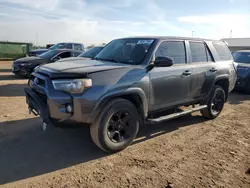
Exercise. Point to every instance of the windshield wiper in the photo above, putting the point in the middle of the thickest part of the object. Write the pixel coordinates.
(114, 60)
(111, 59)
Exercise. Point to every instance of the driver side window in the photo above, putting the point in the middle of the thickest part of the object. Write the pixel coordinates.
(64, 55)
(174, 50)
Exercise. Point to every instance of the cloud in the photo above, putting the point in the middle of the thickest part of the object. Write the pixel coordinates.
(219, 25)
(51, 21)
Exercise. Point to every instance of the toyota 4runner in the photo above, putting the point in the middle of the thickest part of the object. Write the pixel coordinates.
(133, 81)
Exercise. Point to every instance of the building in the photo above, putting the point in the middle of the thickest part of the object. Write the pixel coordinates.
(10, 50)
(235, 44)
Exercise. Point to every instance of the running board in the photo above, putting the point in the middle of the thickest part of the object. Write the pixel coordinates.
(175, 115)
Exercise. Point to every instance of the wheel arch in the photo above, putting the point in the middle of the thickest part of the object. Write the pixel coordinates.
(134, 95)
(223, 81)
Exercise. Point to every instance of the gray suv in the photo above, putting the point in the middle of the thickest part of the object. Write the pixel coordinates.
(133, 81)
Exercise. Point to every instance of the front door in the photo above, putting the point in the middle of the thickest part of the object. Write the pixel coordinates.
(170, 86)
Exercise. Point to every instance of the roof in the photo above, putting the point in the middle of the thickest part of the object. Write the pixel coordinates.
(171, 37)
(65, 50)
(237, 42)
(68, 43)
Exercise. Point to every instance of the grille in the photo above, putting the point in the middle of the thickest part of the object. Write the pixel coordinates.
(41, 96)
(37, 81)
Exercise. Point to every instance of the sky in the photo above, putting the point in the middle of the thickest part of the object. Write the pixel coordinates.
(99, 21)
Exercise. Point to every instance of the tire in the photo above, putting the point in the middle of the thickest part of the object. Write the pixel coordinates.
(210, 112)
(247, 90)
(105, 131)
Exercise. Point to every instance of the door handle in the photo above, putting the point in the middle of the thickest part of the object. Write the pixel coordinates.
(213, 70)
(187, 73)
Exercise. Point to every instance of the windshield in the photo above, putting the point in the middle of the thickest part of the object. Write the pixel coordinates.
(129, 51)
(49, 54)
(91, 52)
(241, 57)
(57, 46)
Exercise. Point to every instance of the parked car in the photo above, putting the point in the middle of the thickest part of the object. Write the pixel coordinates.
(25, 66)
(73, 46)
(49, 45)
(242, 58)
(133, 81)
(91, 53)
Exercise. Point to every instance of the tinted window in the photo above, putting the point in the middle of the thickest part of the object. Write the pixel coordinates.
(78, 46)
(91, 52)
(173, 49)
(200, 52)
(64, 55)
(128, 50)
(67, 46)
(242, 57)
(222, 50)
(59, 45)
(209, 56)
(49, 54)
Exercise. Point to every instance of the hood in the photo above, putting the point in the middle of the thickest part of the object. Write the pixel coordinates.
(70, 59)
(243, 65)
(78, 67)
(35, 60)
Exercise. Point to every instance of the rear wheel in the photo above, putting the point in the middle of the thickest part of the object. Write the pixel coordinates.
(116, 126)
(215, 103)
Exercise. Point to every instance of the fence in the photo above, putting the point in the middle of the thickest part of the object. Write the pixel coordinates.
(13, 50)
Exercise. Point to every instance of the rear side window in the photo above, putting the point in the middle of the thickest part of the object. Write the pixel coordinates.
(222, 50)
(78, 47)
(199, 52)
(68, 46)
(173, 49)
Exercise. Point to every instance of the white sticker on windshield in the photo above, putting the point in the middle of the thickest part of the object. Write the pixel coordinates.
(145, 41)
(131, 44)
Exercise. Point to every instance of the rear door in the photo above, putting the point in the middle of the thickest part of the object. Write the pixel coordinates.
(204, 69)
(170, 86)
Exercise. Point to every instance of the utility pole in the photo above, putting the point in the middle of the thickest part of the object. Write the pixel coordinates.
(36, 37)
(193, 33)
(231, 33)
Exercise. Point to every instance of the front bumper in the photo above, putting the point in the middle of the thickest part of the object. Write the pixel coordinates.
(37, 106)
(19, 70)
(51, 105)
(241, 82)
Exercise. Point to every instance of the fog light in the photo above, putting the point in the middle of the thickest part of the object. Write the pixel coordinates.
(69, 108)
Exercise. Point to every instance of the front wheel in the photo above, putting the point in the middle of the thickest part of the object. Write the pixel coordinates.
(215, 103)
(116, 126)
(247, 90)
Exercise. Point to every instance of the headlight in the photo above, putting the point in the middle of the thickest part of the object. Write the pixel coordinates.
(26, 64)
(72, 86)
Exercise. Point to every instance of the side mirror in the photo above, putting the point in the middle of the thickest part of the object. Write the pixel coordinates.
(163, 61)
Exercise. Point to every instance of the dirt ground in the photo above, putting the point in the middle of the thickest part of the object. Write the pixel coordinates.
(186, 152)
